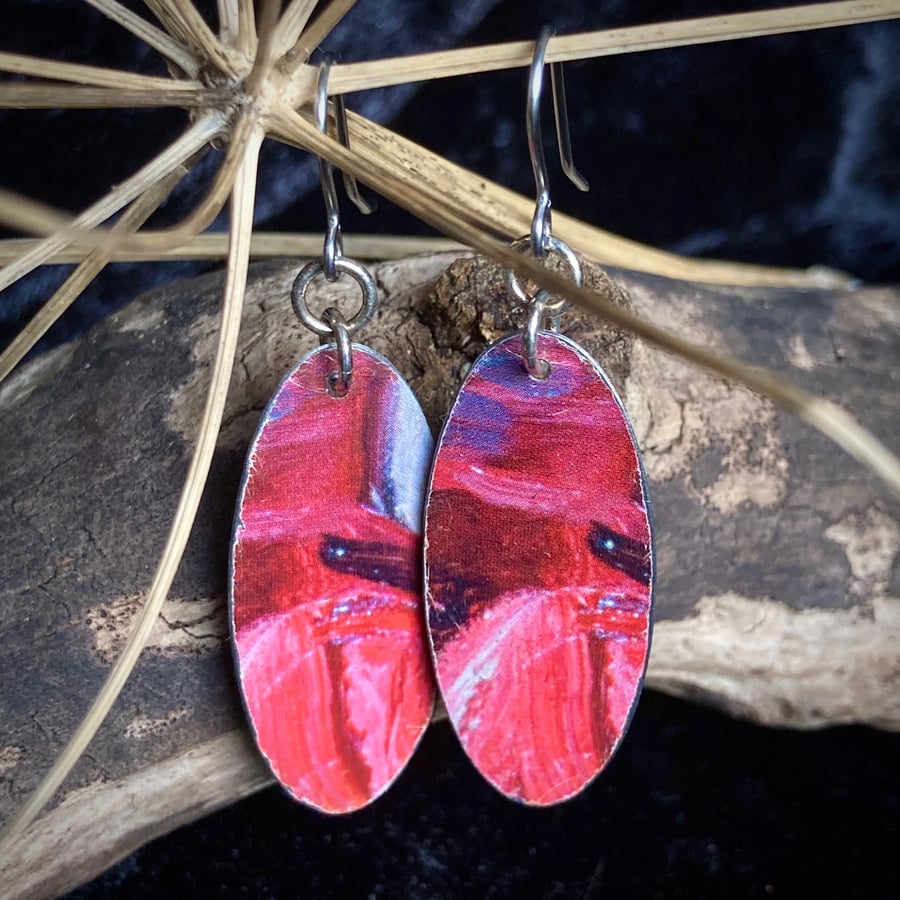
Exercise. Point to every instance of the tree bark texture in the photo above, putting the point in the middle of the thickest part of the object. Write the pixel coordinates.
(778, 580)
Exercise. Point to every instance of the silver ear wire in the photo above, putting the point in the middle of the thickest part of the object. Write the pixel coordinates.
(343, 133)
(541, 222)
(334, 264)
(563, 135)
(334, 243)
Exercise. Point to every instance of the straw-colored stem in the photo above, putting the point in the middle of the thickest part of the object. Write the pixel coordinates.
(689, 32)
(201, 37)
(321, 27)
(132, 219)
(271, 245)
(495, 208)
(199, 134)
(170, 19)
(236, 278)
(290, 26)
(264, 245)
(19, 64)
(229, 22)
(165, 44)
(268, 21)
(180, 19)
(501, 211)
(247, 29)
(404, 188)
(205, 211)
(26, 215)
(69, 96)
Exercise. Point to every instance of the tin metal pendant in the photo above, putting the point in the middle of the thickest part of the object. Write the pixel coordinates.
(539, 569)
(325, 587)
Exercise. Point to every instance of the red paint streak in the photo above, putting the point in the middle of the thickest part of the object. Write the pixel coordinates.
(333, 665)
(540, 646)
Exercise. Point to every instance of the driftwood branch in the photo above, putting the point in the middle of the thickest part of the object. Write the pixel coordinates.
(777, 592)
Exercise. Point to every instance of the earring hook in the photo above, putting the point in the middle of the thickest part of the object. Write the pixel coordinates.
(334, 242)
(541, 223)
(350, 185)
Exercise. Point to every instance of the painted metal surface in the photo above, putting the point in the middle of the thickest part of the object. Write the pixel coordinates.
(539, 570)
(326, 607)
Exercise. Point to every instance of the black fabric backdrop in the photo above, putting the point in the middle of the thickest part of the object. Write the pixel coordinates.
(780, 150)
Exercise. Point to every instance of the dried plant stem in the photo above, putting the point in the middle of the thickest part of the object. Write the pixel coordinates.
(270, 245)
(247, 27)
(500, 211)
(321, 27)
(18, 64)
(132, 219)
(205, 211)
(689, 32)
(242, 223)
(292, 22)
(262, 61)
(166, 45)
(27, 215)
(496, 209)
(38, 218)
(170, 19)
(229, 22)
(55, 96)
(264, 245)
(201, 37)
(199, 134)
(405, 187)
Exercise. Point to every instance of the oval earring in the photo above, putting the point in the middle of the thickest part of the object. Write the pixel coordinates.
(538, 546)
(325, 581)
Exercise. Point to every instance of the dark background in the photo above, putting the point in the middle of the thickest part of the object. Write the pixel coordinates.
(780, 150)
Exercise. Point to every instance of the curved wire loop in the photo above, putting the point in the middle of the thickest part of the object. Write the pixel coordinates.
(339, 381)
(334, 265)
(550, 304)
(537, 367)
(541, 226)
(334, 242)
(542, 305)
(343, 266)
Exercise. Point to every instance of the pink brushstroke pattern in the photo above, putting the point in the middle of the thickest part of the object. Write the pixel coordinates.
(325, 594)
(538, 570)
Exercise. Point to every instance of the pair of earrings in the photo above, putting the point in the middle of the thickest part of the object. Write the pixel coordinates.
(537, 565)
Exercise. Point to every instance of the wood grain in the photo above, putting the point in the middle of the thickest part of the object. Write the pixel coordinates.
(778, 556)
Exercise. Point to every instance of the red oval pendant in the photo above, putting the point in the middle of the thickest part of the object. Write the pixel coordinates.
(538, 570)
(325, 582)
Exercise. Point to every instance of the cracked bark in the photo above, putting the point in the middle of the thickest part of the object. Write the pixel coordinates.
(777, 555)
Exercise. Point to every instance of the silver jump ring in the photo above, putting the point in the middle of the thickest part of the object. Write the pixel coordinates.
(537, 368)
(339, 381)
(360, 274)
(544, 297)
